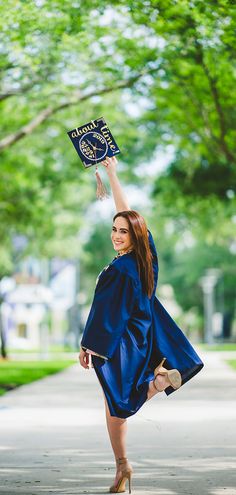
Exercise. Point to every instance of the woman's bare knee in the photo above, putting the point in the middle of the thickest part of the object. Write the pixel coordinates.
(113, 419)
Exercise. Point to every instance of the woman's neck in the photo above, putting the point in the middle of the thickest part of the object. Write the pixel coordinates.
(120, 253)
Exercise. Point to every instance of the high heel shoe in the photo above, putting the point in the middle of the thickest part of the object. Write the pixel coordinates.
(173, 375)
(126, 475)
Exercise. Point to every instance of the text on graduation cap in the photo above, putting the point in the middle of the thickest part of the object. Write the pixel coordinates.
(89, 127)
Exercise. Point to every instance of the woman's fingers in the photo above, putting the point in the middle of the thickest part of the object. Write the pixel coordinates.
(110, 162)
(84, 359)
(90, 363)
(105, 163)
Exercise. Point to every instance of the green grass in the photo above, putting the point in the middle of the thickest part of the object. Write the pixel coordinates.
(232, 363)
(54, 348)
(16, 373)
(219, 347)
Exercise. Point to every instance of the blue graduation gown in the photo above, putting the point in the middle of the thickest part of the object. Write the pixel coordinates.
(134, 333)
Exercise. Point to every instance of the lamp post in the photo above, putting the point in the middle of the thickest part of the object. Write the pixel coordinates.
(208, 283)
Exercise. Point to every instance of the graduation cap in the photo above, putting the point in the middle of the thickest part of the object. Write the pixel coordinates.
(93, 142)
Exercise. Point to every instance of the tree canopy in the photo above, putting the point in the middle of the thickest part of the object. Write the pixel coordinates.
(162, 73)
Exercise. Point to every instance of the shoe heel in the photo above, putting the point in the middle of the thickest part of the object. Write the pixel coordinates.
(174, 378)
(120, 487)
(129, 479)
(159, 366)
(173, 375)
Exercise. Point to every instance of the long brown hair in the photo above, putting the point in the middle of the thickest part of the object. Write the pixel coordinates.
(139, 237)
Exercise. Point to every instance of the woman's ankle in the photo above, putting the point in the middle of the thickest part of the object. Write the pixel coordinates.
(151, 390)
(122, 459)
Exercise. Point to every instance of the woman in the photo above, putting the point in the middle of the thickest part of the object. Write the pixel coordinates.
(128, 334)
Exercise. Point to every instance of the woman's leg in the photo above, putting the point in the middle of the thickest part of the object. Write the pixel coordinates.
(117, 429)
(162, 383)
(151, 391)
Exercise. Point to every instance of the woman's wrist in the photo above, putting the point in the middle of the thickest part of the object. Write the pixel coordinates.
(110, 164)
(111, 173)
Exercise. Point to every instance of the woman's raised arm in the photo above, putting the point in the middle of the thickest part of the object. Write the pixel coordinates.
(120, 199)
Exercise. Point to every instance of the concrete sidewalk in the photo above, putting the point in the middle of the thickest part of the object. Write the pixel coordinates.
(54, 438)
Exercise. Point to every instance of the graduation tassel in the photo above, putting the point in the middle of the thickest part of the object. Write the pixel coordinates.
(102, 192)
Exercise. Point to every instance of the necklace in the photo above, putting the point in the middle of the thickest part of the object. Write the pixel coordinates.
(106, 267)
(121, 254)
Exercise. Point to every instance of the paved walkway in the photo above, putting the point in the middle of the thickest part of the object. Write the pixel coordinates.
(54, 439)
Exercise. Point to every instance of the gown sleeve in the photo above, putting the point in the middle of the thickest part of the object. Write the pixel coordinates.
(152, 245)
(93, 353)
(111, 309)
(155, 263)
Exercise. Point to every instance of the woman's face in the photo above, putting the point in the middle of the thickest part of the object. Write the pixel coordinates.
(120, 235)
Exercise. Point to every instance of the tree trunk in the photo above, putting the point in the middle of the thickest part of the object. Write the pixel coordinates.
(2, 336)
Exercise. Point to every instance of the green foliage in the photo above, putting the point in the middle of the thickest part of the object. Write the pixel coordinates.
(184, 256)
(97, 253)
(195, 100)
(162, 73)
(16, 373)
(232, 363)
(53, 57)
(218, 347)
(187, 268)
(72, 50)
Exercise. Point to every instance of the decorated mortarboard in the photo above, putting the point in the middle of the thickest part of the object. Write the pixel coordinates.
(94, 142)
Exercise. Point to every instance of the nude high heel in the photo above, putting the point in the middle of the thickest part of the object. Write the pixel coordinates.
(173, 375)
(126, 475)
